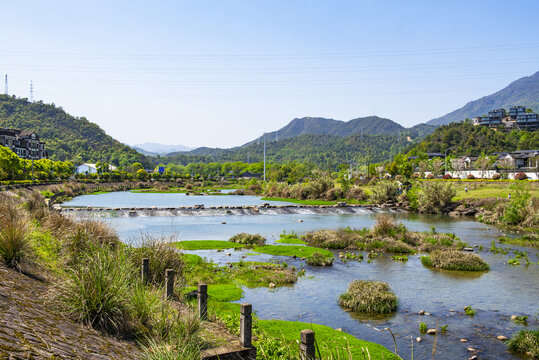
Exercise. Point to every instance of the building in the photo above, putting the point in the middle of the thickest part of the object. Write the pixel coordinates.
(87, 169)
(528, 121)
(25, 144)
(506, 164)
(515, 111)
(493, 119)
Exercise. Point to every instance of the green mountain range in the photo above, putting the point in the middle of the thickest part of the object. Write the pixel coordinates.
(524, 91)
(66, 137)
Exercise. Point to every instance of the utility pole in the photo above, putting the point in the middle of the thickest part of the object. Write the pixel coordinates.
(31, 92)
(5, 86)
(264, 155)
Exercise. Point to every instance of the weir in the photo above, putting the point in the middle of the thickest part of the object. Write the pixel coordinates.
(200, 210)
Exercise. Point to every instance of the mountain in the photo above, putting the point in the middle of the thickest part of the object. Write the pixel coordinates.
(370, 125)
(149, 148)
(66, 137)
(524, 91)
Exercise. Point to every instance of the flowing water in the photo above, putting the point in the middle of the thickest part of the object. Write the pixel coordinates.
(496, 295)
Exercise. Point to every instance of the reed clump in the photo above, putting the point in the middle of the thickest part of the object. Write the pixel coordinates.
(369, 296)
(317, 259)
(248, 239)
(454, 260)
(525, 342)
(15, 243)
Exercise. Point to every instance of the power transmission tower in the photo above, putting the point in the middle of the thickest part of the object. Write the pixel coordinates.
(5, 86)
(31, 92)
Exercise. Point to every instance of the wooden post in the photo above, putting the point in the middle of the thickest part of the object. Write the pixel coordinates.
(145, 271)
(246, 325)
(307, 344)
(169, 280)
(203, 301)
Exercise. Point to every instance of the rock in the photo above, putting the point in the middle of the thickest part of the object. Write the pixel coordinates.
(303, 258)
(431, 331)
(513, 317)
(338, 329)
(463, 340)
(300, 220)
(294, 256)
(502, 338)
(271, 285)
(418, 339)
(421, 312)
(452, 310)
(471, 349)
(428, 314)
(228, 254)
(473, 357)
(468, 249)
(341, 255)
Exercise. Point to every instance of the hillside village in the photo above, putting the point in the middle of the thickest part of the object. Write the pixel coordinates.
(518, 117)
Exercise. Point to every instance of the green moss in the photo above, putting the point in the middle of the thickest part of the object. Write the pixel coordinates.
(291, 241)
(329, 341)
(207, 245)
(292, 250)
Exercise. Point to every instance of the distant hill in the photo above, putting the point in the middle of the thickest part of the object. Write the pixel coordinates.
(524, 91)
(370, 125)
(152, 149)
(67, 137)
(463, 138)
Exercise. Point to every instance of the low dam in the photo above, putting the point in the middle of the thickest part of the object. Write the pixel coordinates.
(201, 210)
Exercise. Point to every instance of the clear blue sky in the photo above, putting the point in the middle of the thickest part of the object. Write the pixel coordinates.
(217, 73)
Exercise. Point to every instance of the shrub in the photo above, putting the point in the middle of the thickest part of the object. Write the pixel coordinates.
(496, 176)
(356, 193)
(470, 177)
(317, 259)
(248, 239)
(369, 297)
(454, 260)
(384, 191)
(386, 225)
(423, 327)
(525, 342)
(521, 176)
(517, 210)
(15, 245)
(447, 177)
(433, 196)
(96, 290)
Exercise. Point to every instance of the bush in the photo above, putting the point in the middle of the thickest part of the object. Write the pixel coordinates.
(454, 260)
(385, 191)
(521, 176)
(356, 193)
(248, 239)
(518, 208)
(496, 176)
(447, 177)
(423, 327)
(525, 342)
(96, 290)
(369, 297)
(470, 177)
(386, 225)
(434, 196)
(317, 259)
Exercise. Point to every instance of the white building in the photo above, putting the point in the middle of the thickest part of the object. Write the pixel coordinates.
(90, 169)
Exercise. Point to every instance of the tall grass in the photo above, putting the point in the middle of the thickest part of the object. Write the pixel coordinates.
(15, 246)
(96, 289)
(455, 260)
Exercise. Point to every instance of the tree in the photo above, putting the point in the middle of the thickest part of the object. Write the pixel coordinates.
(9, 163)
(483, 163)
(436, 166)
(142, 175)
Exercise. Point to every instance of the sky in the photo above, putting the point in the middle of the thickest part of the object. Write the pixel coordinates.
(220, 73)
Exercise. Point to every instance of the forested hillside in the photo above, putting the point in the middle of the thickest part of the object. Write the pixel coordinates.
(465, 139)
(67, 137)
(322, 150)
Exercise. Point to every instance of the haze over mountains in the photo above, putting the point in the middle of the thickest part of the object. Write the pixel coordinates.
(524, 91)
(152, 149)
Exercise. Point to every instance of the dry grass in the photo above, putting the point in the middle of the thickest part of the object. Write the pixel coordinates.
(369, 296)
(15, 246)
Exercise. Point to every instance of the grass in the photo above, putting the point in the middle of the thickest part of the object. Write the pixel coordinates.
(525, 342)
(292, 241)
(368, 296)
(481, 190)
(454, 260)
(99, 192)
(292, 250)
(330, 342)
(248, 239)
(531, 240)
(15, 245)
(301, 202)
(317, 259)
(207, 245)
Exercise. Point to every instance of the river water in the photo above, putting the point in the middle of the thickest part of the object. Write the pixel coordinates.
(496, 295)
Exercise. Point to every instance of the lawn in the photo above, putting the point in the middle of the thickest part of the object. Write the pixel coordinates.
(207, 245)
(481, 190)
(292, 250)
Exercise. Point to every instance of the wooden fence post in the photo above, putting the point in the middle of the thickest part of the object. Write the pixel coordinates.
(202, 301)
(169, 280)
(246, 325)
(307, 345)
(145, 271)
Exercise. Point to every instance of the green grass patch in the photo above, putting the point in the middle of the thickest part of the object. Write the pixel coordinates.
(100, 192)
(329, 341)
(525, 342)
(207, 245)
(292, 250)
(293, 241)
(531, 240)
(368, 296)
(482, 190)
(302, 202)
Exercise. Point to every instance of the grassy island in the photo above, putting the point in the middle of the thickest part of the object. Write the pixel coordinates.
(454, 260)
(369, 296)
